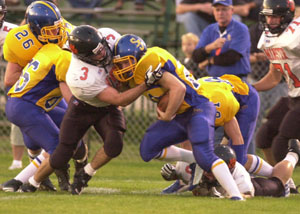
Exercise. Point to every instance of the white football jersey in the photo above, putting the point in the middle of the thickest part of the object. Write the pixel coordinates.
(242, 179)
(6, 27)
(86, 81)
(283, 51)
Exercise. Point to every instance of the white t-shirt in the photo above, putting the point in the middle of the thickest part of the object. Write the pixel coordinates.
(283, 51)
(86, 81)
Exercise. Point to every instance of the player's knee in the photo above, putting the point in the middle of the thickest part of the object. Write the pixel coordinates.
(146, 156)
(113, 150)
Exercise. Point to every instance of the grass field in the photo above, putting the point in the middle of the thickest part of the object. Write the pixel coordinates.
(132, 187)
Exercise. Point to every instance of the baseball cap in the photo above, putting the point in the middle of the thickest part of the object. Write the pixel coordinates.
(222, 2)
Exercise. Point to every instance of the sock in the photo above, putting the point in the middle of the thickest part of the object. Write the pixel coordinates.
(174, 153)
(224, 177)
(89, 170)
(29, 170)
(17, 163)
(292, 158)
(33, 182)
(31, 155)
(260, 167)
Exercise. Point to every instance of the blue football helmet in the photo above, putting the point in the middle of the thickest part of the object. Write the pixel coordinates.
(46, 23)
(128, 50)
(3, 11)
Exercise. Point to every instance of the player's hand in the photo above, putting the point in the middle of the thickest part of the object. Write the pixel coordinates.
(164, 116)
(168, 172)
(152, 77)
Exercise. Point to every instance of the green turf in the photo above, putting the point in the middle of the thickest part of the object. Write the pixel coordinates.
(132, 187)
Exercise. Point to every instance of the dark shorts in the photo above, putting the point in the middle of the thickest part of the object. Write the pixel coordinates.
(109, 123)
(268, 187)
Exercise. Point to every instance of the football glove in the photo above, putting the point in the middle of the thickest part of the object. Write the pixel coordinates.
(151, 77)
(168, 172)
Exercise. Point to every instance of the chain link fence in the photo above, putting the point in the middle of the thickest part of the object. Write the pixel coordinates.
(139, 116)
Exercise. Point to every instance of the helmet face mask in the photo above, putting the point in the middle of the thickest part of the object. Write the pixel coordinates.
(3, 10)
(45, 22)
(90, 46)
(54, 33)
(278, 8)
(128, 50)
(124, 68)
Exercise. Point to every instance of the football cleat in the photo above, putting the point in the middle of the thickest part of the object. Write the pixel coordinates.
(63, 177)
(27, 188)
(11, 186)
(294, 190)
(80, 181)
(46, 185)
(294, 147)
(237, 198)
(177, 187)
(168, 172)
(197, 173)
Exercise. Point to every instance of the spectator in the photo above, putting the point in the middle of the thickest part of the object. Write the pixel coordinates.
(194, 14)
(224, 48)
(188, 44)
(12, 2)
(197, 14)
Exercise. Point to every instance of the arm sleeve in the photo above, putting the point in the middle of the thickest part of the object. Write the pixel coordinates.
(199, 55)
(228, 58)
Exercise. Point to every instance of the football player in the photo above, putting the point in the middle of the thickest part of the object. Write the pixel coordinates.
(280, 43)
(188, 114)
(45, 25)
(16, 138)
(274, 186)
(94, 103)
(246, 122)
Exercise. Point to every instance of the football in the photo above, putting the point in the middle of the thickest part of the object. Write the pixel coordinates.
(163, 102)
